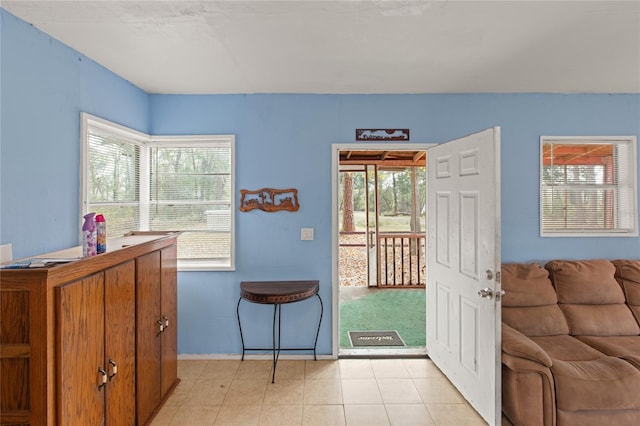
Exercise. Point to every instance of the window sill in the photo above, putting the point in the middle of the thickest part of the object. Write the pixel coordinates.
(207, 265)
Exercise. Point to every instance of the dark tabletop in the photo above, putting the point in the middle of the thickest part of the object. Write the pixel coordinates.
(278, 292)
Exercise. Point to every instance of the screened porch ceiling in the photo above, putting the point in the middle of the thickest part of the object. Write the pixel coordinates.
(577, 154)
(400, 158)
(564, 155)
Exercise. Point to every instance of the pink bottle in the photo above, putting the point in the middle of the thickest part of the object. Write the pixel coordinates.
(101, 234)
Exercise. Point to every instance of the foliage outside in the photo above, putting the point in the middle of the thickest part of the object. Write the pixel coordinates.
(396, 199)
(189, 190)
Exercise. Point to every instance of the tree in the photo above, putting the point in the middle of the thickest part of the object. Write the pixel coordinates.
(394, 188)
(347, 203)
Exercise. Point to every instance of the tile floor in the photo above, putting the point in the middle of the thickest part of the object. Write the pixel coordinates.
(306, 392)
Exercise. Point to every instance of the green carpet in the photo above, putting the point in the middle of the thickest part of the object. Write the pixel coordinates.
(393, 309)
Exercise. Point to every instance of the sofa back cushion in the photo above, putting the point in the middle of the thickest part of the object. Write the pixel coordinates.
(628, 275)
(527, 284)
(530, 304)
(589, 282)
(591, 298)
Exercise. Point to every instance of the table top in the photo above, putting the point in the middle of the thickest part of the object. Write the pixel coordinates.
(278, 292)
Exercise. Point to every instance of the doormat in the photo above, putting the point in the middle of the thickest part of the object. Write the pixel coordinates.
(375, 338)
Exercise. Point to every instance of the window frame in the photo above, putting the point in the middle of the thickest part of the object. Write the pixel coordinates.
(146, 143)
(631, 142)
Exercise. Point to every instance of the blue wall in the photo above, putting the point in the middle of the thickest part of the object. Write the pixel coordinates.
(281, 141)
(284, 141)
(45, 85)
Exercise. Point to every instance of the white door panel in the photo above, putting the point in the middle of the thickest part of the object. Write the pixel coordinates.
(463, 329)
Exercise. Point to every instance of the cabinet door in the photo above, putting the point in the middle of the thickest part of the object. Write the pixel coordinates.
(119, 326)
(80, 352)
(148, 334)
(169, 295)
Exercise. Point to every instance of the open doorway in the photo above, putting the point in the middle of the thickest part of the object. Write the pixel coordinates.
(463, 261)
(381, 265)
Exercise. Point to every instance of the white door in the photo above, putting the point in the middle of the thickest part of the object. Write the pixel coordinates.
(463, 238)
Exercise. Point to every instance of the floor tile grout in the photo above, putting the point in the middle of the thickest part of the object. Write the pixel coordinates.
(319, 398)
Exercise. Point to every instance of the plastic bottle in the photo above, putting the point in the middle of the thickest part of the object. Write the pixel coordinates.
(89, 235)
(101, 234)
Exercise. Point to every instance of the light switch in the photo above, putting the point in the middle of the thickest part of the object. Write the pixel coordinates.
(306, 234)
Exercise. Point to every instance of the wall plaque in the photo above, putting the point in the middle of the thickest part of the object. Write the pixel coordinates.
(269, 200)
(382, 134)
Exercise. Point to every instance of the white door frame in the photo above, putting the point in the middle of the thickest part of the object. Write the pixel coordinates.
(335, 226)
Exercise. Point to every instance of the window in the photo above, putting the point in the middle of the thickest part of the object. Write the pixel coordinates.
(163, 183)
(588, 186)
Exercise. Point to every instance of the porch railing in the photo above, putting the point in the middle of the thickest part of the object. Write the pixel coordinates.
(401, 258)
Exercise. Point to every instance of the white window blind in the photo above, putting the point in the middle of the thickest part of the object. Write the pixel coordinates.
(113, 179)
(163, 183)
(191, 191)
(588, 186)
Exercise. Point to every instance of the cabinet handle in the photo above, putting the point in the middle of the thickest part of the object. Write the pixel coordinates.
(160, 326)
(166, 321)
(102, 378)
(114, 368)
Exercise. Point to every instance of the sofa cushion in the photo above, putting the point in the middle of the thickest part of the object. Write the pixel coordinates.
(625, 347)
(526, 284)
(530, 304)
(600, 320)
(597, 418)
(606, 383)
(636, 312)
(536, 320)
(585, 281)
(628, 275)
(566, 348)
(591, 299)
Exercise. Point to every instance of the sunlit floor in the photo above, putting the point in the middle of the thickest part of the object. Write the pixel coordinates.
(306, 392)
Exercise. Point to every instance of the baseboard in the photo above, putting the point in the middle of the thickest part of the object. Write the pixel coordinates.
(267, 357)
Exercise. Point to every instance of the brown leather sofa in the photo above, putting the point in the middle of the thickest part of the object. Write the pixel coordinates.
(571, 343)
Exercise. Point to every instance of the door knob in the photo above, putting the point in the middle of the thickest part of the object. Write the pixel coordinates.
(114, 368)
(166, 321)
(102, 377)
(486, 293)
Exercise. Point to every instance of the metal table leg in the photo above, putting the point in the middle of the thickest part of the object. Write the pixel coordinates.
(240, 327)
(277, 309)
(276, 347)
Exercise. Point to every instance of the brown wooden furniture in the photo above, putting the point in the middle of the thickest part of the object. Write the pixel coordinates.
(92, 341)
(277, 293)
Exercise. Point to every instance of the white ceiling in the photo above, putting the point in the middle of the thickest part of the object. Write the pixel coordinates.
(391, 46)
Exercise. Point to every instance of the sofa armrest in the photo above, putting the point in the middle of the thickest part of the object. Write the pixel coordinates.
(528, 392)
(518, 345)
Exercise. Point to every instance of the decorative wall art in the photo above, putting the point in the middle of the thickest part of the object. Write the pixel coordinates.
(382, 134)
(269, 200)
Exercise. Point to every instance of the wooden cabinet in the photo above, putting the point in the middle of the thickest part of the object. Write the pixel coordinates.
(71, 352)
(169, 309)
(80, 351)
(119, 360)
(96, 318)
(156, 344)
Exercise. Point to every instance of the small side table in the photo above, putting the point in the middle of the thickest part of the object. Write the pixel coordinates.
(278, 293)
